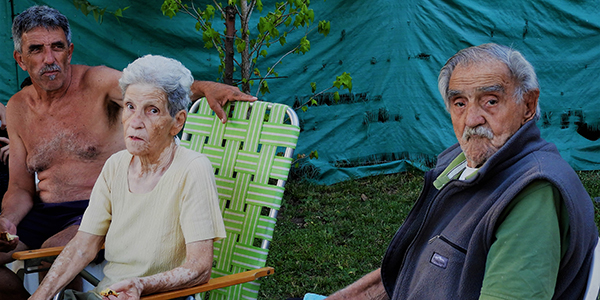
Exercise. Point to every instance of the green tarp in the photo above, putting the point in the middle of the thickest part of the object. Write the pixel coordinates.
(394, 116)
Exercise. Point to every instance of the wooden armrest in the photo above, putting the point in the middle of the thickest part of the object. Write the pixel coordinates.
(215, 283)
(37, 253)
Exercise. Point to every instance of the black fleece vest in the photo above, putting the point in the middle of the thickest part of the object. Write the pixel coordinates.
(441, 249)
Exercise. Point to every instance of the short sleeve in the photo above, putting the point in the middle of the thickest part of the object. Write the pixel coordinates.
(524, 260)
(98, 215)
(200, 216)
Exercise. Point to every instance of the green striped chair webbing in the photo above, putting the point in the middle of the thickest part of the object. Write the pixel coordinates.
(247, 154)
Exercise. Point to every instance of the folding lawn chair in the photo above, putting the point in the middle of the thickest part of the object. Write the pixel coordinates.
(251, 155)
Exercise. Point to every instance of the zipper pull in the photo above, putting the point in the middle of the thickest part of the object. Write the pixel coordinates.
(433, 238)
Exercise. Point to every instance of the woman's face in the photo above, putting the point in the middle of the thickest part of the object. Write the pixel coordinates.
(147, 124)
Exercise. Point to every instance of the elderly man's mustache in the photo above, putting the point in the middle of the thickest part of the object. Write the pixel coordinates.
(50, 68)
(477, 131)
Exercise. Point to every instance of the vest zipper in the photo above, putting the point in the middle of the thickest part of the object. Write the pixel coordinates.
(447, 241)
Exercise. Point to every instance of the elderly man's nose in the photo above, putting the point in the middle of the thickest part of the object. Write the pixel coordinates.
(474, 116)
(49, 58)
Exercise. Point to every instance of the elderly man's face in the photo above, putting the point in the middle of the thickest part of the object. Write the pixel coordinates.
(147, 124)
(46, 56)
(484, 111)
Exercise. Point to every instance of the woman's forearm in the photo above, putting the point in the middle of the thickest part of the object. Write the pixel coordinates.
(78, 253)
(178, 278)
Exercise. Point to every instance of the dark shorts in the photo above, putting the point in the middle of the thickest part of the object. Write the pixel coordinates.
(47, 219)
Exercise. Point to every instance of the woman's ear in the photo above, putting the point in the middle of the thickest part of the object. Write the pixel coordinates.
(179, 122)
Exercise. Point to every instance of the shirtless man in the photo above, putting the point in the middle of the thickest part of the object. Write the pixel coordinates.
(63, 127)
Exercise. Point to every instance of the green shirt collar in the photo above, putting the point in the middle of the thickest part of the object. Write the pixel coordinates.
(453, 171)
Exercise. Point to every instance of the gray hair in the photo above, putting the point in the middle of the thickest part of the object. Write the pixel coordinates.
(38, 16)
(521, 70)
(164, 73)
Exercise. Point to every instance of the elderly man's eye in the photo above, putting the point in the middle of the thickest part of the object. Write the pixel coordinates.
(493, 101)
(459, 104)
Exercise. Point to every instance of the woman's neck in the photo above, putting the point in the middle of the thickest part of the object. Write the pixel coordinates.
(147, 165)
(145, 173)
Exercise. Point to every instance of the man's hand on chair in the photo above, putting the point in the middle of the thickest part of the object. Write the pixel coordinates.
(8, 226)
(218, 94)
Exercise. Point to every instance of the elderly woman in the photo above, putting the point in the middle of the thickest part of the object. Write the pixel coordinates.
(155, 204)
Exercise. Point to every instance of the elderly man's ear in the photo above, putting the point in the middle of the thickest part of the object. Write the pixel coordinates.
(531, 101)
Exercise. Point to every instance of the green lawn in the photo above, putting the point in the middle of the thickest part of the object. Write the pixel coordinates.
(329, 236)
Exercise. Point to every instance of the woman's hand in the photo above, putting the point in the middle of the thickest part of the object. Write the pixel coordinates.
(129, 289)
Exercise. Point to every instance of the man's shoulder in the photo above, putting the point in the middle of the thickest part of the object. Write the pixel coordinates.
(90, 72)
(98, 82)
(20, 98)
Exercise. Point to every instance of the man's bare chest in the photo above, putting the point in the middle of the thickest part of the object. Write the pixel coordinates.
(55, 138)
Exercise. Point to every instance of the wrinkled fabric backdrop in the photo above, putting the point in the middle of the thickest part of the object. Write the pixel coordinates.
(394, 117)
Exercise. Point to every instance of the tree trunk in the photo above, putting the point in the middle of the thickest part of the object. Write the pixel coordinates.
(229, 39)
(245, 15)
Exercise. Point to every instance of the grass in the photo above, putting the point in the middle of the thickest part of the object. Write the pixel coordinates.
(329, 236)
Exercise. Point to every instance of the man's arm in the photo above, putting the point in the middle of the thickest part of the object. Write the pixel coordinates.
(369, 287)
(534, 228)
(195, 270)
(105, 81)
(18, 198)
(217, 95)
(2, 116)
(78, 253)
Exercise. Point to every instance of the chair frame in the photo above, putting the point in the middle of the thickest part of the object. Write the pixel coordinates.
(593, 286)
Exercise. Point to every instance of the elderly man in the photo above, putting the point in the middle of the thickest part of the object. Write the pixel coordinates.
(502, 215)
(63, 127)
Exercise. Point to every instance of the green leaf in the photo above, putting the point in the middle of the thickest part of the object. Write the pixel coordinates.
(264, 88)
(240, 45)
(304, 45)
(96, 15)
(336, 96)
(311, 16)
(343, 81)
(259, 5)
(274, 32)
(263, 52)
(313, 86)
(209, 12)
(314, 102)
(304, 108)
(324, 27)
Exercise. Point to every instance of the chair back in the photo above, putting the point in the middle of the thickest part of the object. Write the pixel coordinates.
(591, 293)
(251, 155)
